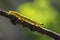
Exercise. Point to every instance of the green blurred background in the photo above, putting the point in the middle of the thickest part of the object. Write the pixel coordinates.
(42, 11)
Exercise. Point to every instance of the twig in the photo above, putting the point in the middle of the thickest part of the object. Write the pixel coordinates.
(15, 20)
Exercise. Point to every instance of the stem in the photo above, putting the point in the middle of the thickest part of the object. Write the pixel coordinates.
(42, 31)
(31, 27)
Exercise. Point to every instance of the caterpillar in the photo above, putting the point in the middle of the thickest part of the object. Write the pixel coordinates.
(23, 18)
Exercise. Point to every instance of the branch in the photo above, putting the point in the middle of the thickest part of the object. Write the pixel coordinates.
(32, 27)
